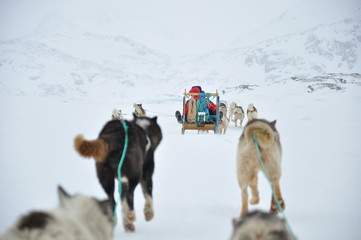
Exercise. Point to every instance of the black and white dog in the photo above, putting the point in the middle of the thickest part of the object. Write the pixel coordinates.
(259, 225)
(144, 136)
(76, 217)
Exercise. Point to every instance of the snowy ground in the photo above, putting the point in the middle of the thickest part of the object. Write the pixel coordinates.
(195, 187)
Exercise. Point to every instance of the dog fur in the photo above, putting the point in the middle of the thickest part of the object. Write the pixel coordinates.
(238, 114)
(248, 164)
(223, 107)
(144, 136)
(252, 112)
(139, 110)
(117, 114)
(223, 126)
(259, 225)
(232, 107)
(76, 217)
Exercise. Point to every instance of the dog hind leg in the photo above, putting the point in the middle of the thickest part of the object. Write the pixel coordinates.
(277, 189)
(244, 200)
(243, 180)
(148, 207)
(147, 186)
(254, 187)
(106, 179)
(128, 205)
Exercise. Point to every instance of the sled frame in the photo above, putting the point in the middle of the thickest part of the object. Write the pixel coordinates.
(200, 126)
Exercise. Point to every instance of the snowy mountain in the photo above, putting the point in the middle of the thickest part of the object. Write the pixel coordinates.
(75, 56)
(323, 49)
(76, 65)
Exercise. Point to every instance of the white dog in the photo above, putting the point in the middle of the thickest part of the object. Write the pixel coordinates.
(251, 112)
(232, 107)
(117, 114)
(238, 115)
(223, 107)
(77, 217)
(224, 124)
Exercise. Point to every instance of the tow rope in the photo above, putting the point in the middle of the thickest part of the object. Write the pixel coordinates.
(269, 181)
(120, 187)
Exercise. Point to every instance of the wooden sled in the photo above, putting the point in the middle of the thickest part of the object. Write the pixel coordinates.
(199, 125)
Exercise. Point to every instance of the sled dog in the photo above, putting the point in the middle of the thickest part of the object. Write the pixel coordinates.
(139, 110)
(224, 120)
(144, 136)
(117, 114)
(238, 114)
(232, 107)
(260, 225)
(76, 217)
(251, 112)
(223, 107)
(248, 163)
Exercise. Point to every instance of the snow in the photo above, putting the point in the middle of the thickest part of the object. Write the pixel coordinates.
(196, 194)
(65, 65)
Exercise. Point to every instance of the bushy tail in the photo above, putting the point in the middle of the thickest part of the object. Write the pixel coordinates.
(264, 132)
(98, 149)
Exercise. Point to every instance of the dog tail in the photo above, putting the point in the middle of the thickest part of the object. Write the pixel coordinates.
(264, 132)
(98, 149)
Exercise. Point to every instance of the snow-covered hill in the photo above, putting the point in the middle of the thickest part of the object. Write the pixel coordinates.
(78, 65)
(330, 48)
(73, 56)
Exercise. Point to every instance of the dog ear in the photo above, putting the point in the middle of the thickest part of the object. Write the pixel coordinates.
(155, 119)
(63, 195)
(236, 222)
(273, 124)
(106, 207)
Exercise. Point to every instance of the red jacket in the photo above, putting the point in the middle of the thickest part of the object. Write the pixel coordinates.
(211, 106)
(196, 97)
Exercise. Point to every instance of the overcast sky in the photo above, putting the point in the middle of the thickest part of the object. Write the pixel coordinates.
(175, 27)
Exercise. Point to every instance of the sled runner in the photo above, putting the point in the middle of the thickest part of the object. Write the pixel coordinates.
(199, 112)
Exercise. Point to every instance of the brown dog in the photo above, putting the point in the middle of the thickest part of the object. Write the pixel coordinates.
(248, 163)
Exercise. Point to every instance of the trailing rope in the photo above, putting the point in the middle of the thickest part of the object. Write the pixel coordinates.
(269, 181)
(120, 187)
(160, 114)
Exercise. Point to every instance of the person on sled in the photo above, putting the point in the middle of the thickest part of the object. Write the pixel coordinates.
(210, 106)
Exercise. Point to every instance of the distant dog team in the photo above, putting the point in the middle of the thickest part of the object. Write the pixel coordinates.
(236, 113)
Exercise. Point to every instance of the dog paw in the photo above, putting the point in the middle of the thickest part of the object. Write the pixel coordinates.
(149, 214)
(254, 200)
(130, 217)
(274, 207)
(129, 227)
